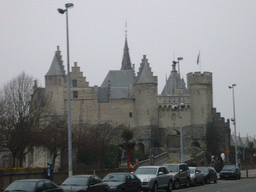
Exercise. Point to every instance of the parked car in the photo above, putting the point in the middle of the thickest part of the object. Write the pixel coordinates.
(196, 176)
(33, 185)
(230, 171)
(209, 174)
(88, 183)
(123, 182)
(154, 177)
(180, 172)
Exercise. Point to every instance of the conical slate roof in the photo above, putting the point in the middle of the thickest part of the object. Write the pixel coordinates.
(172, 84)
(126, 62)
(57, 67)
(145, 75)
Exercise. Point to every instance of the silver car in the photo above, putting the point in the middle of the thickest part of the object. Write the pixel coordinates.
(154, 177)
(196, 176)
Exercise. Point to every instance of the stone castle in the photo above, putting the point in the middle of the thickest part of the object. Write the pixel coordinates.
(125, 97)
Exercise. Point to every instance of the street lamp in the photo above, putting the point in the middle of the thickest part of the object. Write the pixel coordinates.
(234, 119)
(68, 5)
(180, 115)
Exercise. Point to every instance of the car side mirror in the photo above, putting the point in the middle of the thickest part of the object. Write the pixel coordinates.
(160, 173)
(180, 170)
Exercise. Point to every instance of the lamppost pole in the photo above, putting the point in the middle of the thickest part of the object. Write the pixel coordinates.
(180, 115)
(234, 119)
(68, 5)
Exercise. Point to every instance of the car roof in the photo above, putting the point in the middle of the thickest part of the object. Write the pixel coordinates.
(153, 166)
(175, 164)
(120, 173)
(33, 180)
(82, 175)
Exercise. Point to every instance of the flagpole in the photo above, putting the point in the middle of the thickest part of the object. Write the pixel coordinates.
(200, 61)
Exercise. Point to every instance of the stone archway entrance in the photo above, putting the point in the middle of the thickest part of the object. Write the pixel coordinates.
(195, 144)
(141, 147)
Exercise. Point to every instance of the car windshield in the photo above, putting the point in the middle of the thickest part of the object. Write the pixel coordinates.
(115, 177)
(82, 181)
(173, 168)
(204, 169)
(146, 171)
(21, 186)
(192, 170)
(229, 168)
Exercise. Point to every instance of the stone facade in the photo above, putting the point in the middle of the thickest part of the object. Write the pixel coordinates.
(132, 99)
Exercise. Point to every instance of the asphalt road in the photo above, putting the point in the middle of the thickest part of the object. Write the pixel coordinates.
(243, 185)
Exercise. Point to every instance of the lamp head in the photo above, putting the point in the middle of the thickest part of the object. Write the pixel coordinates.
(180, 58)
(229, 87)
(69, 5)
(61, 11)
(174, 62)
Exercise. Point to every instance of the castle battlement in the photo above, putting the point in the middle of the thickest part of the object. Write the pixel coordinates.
(199, 78)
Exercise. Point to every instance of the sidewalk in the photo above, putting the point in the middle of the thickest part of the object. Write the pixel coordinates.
(251, 173)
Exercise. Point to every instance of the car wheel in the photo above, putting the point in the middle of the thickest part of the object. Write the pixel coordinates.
(188, 183)
(138, 190)
(154, 189)
(176, 184)
(215, 181)
(203, 182)
(169, 188)
(194, 182)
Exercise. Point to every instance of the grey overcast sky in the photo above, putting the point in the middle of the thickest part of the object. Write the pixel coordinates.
(223, 30)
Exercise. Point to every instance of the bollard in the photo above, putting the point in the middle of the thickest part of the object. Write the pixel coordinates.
(246, 172)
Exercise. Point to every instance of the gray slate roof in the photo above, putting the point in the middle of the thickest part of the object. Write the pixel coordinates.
(57, 67)
(172, 84)
(119, 82)
(126, 62)
(145, 75)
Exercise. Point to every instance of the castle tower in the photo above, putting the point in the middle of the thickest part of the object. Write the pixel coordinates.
(55, 84)
(200, 90)
(145, 93)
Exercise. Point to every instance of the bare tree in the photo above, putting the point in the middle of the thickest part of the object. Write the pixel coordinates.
(93, 141)
(19, 120)
(54, 136)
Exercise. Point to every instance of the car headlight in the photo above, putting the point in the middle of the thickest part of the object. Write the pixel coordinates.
(146, 179)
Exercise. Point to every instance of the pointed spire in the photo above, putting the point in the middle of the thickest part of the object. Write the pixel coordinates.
(126, 63)
(171, 86)
(145, 75)
(57, 67)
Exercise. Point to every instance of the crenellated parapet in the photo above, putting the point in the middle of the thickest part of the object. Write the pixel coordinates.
(199, 78)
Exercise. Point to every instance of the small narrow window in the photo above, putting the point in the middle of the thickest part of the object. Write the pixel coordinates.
(130, 114)
(74, 82)
(75, 94)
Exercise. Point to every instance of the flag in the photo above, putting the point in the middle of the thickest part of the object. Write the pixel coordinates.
(198, 58)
